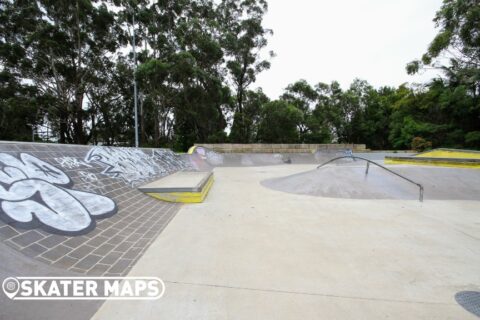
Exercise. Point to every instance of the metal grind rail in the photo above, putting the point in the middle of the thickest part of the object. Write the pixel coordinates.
(378, 165)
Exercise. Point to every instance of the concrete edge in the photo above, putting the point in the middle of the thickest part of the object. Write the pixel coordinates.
(197, 188)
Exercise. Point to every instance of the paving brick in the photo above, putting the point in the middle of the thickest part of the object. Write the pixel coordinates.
(88, 262)
(56, 253)
(110, 232)
(116, 240)
(151, 233)
(41, 259)
(134, 237)
(111, 258)
(97, 241)
(120, 225)
(78, 270)
(120, 266)
(27, 238)
(81, 252)
(52, 240)
(132, 253)
(66, 262)
(34, 250)
(7, 232)
(74, 242)
(124, 246)
(99, 269)
(142, 243)
(104, 249)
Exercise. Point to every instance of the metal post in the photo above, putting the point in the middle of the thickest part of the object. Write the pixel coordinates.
(135, 80)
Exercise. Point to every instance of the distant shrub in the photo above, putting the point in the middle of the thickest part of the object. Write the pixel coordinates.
(419, 144)
(472, 139)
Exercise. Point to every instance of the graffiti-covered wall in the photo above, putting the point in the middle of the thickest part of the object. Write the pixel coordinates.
(62, 192)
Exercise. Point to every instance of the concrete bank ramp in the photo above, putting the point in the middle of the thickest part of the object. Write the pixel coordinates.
(351, 182)
(69, 210)
(77, 208)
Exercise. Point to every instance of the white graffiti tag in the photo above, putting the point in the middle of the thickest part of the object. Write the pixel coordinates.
(91, 182)
(170, 161)
(88, 177)
(34, 193)
(129, 164)
(71, 162)
(212, 157)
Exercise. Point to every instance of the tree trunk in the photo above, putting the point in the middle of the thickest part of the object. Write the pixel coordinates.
(79, 137)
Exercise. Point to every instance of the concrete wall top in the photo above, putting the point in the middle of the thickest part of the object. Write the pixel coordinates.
(277, 148)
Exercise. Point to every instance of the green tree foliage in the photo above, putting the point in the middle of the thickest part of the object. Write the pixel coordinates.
(302, 96)
(58, 46)
(279, 122)
(243, 38)
(452, 103)
(181, 74)
(458, 40)
(245, 125)
(18, 108)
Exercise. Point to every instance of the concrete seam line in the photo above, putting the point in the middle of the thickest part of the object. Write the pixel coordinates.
(308, 293)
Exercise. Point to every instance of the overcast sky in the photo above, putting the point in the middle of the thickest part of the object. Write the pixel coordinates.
(326, 40)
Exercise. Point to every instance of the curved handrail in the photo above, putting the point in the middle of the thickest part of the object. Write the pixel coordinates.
(378, 165)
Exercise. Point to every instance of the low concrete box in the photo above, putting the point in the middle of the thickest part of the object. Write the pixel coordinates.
(181, 186)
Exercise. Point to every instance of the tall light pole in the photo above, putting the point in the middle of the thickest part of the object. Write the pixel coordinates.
(135, 103)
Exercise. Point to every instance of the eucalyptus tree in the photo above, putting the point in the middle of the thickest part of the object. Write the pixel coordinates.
(181, 71)
(57, 46)
(243, 37)
(303, 97)
(456, 51)
(245, 126)
(458, 42)
(279, 123)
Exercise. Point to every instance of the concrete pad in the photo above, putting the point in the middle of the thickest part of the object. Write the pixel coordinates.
(181, 181)
(249, 252)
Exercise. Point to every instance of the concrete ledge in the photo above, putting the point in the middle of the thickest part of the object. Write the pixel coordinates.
(450, 154)
(442, 162)
(185, 187)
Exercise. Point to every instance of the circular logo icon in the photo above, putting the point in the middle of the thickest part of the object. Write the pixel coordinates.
(10, 287)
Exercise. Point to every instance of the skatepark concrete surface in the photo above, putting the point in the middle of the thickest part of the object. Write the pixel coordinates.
(251, 252)
(275, 238)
